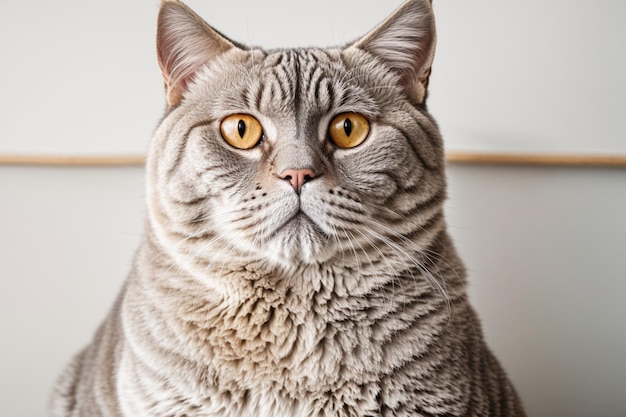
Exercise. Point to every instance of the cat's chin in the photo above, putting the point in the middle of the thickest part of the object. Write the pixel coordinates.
(300, 241)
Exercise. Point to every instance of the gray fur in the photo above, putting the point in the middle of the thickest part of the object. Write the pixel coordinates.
(249, 299)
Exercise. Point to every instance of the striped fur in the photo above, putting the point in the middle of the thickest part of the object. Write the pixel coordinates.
(249, 299)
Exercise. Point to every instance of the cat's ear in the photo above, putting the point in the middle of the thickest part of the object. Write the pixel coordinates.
(185, 43)
(405, 41)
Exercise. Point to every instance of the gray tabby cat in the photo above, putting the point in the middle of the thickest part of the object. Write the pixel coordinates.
(296, 260)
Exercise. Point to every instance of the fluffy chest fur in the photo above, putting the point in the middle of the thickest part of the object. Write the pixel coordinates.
(272, 347)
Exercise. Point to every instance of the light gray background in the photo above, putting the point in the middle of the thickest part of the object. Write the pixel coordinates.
(546, 247)
(80, 78)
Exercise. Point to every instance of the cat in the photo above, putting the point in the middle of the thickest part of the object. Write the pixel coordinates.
(296, 260)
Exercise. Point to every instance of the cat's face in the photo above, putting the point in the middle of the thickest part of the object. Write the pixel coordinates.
(294, 156)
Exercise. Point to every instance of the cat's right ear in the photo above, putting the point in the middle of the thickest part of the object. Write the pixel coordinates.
(185, 42)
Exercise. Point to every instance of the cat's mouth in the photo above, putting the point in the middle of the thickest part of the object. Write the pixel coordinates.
(301, 238)
(299, 223)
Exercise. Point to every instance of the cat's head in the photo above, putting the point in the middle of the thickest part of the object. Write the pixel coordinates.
(295, 156)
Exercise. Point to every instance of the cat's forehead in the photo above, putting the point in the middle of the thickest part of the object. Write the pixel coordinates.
(301, 60)
(300, 73)
(309, 80)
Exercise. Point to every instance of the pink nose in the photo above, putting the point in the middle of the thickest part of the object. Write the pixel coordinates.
(298, 177)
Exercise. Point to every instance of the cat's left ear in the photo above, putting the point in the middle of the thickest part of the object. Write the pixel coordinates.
(185, 43)
(405, 42)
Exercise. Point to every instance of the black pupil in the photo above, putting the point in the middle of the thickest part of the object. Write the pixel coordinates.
(241, 128)
(347, 126)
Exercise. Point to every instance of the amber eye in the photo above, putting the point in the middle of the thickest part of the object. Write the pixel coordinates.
(241, 131)
(349, 130)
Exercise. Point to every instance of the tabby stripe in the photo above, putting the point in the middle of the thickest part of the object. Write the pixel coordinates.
(277, 89)
(332, 97)
(340, 217)
(417, 188)
(178, 156)
(275, 59)
(423, 344)
(417, 154)
(297, 87)
(429, 130)
(187, 203)
(174, 235)
(251, 225)
(429, 125)
(396, 331)
(433, 202)
(250, 97)
(182, 148)
(311, 56)
(229, 186)
(351, 209)
(435, 222)
(424, 206)
(282, 77)
(70, 394)
(412, 364)
(316, 81)
(152, 352)
(260, 92)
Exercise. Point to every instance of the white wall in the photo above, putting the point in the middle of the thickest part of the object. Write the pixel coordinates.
(67, 237)
(546, 251)
(81, 77)
(545, 247)
(531, 75)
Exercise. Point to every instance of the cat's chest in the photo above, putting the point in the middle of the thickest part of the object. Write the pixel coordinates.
(272, 354)
(261, 401)
(297, 341)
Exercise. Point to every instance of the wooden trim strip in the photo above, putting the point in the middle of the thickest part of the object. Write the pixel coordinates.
(478, 158)
(485, 158)
(73, 161)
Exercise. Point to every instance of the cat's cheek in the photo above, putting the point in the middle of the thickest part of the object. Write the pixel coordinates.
(377, 188)
(367, 175)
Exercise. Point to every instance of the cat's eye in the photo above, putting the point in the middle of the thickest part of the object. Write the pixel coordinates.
(348, 130)
(241, 131)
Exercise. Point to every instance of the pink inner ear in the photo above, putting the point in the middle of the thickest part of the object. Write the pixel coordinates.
(185, 43)
(178, 71)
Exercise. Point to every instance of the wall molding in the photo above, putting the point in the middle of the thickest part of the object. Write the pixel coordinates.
(488, 158)
(476, 158)
(73, 160)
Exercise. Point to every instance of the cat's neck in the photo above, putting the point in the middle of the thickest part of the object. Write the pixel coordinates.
(436, 271)
(271, 323)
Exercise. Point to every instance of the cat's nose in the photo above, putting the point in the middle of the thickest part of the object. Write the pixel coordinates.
(297, 177)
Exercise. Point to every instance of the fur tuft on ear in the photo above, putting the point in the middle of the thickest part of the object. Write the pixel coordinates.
(185, 43)
(405, 42)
